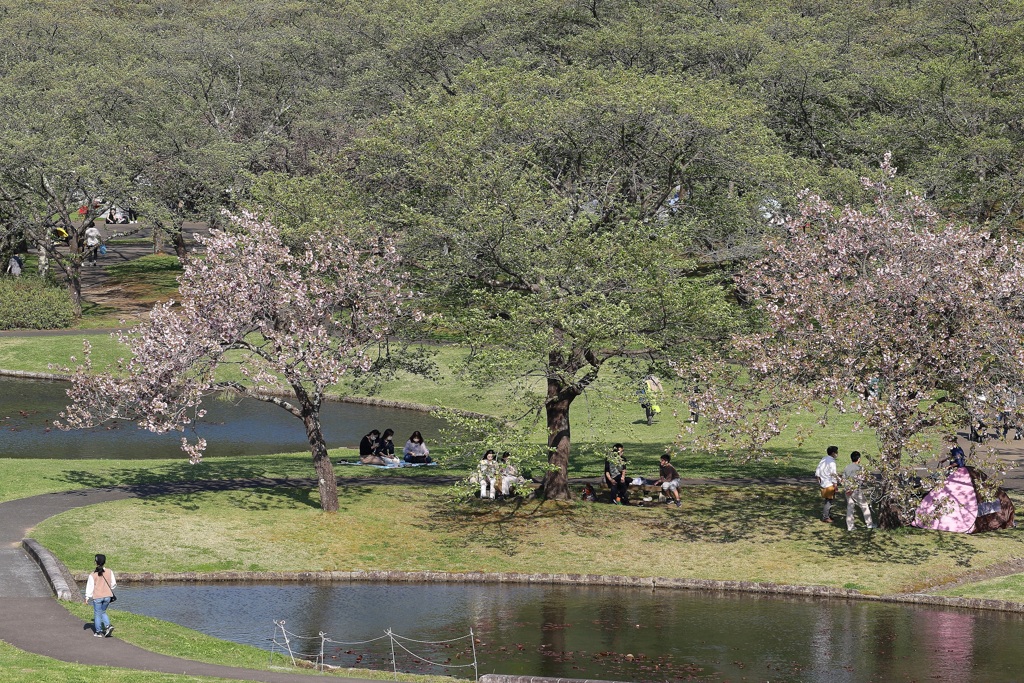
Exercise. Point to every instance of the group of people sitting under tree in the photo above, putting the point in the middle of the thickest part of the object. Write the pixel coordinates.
(495, 476)
(379, 449)
(616, 480)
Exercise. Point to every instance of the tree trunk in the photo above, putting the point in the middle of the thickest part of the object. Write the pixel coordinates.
(326, 481)
(158, 238)
(178, 239)
(556, 481)
(76, 257)
(75, 288)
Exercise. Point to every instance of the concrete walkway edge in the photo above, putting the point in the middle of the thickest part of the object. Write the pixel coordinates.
(56, 572)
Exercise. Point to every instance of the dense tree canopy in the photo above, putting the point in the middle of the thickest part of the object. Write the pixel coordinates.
(551, 217)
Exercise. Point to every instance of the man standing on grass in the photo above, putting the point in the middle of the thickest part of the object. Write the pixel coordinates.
(853, 482)
(615, 475)
(669, 480)
(828, 477)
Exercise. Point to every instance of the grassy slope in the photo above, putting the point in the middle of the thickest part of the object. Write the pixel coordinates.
(757, 533)
(603, 416)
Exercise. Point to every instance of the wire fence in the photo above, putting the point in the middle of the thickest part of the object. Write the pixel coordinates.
(316, 649)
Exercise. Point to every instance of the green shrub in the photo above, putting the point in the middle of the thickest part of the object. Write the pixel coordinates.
(30, 302)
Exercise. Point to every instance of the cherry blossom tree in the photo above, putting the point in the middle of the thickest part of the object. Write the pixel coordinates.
(291, 321)
(893, 313)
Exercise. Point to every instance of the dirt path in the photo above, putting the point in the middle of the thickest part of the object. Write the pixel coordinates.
(97, 287)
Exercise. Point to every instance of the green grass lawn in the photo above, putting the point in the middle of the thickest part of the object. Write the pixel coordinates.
(1003, 588)
(605, 415)
(18, 666)
(757, 533)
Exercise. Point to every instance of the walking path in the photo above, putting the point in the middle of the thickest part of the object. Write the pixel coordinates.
(36, 622)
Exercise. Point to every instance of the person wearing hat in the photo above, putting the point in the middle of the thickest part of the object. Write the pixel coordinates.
(100, 589)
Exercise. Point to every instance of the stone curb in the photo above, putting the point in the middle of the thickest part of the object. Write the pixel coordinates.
(61, 580)
(34, 375)
(653, 583)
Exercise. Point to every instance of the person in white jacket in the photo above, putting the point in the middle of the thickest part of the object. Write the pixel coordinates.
(415, 450)
(93, 241)
(828, 478)
(488, 471)
(100, 589)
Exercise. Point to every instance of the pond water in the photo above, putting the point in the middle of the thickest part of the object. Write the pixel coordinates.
(231, 427)
(605, 633)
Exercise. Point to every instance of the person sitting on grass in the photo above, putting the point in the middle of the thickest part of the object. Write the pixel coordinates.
(589, 494)
(415, 450)
(510, 476)
(367, 447)
(385, 449)
(488, 470)
(669, 480)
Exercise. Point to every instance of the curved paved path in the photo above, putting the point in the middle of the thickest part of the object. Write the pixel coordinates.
(44, 627)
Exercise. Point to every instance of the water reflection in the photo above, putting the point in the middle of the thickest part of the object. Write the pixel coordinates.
(620, 634)
(232, 427)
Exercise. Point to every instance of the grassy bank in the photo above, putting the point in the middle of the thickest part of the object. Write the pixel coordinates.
(18, 666)
(756, 533)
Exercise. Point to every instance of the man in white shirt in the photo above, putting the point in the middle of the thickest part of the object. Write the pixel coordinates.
(828, 477)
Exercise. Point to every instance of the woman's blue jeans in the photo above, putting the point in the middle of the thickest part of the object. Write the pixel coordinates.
(100, 620)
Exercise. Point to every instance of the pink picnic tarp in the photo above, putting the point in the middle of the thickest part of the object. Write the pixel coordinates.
(951, 507)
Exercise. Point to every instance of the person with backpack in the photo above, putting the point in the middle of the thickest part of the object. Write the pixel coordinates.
(100, 590)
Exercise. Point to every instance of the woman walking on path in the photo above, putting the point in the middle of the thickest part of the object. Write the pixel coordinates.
(100, 589)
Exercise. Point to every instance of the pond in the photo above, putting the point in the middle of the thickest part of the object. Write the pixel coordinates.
(231, 427)
(604, 633)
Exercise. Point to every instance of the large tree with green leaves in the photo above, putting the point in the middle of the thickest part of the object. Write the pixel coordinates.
(563, 218)
(65, 141)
